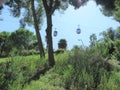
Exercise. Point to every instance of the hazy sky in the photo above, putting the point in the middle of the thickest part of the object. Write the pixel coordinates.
(89, 17)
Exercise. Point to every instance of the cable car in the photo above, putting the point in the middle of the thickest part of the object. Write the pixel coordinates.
(55, 33)
(78, 31)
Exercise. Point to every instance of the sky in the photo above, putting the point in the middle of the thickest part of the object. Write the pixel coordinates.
(89, 18)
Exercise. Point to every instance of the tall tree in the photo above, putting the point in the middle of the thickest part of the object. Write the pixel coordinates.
(50, 6)
(32, 15)
(36, 23)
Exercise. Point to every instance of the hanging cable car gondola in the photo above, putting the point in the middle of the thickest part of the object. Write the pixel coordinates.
(55, 33)
(78, 31)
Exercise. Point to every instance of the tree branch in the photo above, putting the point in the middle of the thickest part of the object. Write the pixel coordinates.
(46, 7)
(51, 3)
(56, 5)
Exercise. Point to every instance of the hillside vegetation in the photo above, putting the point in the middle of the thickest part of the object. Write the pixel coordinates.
(78, 69)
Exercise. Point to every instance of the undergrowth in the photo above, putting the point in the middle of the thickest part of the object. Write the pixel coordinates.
(18, 71)
(78, 69)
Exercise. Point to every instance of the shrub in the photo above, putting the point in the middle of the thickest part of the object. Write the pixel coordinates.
(50, 81)
(88, 69)
(19, 71)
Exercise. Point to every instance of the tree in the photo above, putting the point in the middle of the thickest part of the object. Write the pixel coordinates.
(107, 44)
(22, 39)
(117, 11)
(5, 44)
(37, 21)
(108, 35)
(62, 44)
(117, 34)
(117, 49)
(93, 40)
(32, 16)
(50, 7)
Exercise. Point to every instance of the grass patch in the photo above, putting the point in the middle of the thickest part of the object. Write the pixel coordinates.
(3, 60)
(30, 57)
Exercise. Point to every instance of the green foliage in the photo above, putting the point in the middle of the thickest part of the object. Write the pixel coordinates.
(107, 6)
(54, 79)
(3, 82)
(61, 62)
(26, 52)
(112, 83)
(117, 49)
(5, 44)
(108, 46)
(62, 44)
(79, 69)
(32, 12)
(19, 42)
(110, 8)
(93, 40)
(87, 70)
(22, 38)
(18, 71)
(50, 81)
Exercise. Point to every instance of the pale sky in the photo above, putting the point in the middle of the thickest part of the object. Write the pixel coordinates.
(89, 17)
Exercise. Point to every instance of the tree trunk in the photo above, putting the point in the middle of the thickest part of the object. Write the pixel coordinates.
(40, 45)
(49, 9)
(49, 40)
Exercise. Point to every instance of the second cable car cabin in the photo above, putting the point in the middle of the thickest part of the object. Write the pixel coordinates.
(55, 33)
(78, 31)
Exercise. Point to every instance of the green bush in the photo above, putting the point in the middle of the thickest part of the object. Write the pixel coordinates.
(88, 70)
(3, 76)
(16, 73)
(50, 81)
(111, 83)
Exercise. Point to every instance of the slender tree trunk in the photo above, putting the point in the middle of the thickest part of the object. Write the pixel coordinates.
(49, 11)
(49, 41)
(40, 45)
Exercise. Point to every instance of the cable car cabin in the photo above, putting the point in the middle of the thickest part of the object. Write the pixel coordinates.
(78, 31)
(55, 33)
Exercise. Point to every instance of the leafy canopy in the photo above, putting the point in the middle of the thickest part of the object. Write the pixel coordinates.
(110, 8)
